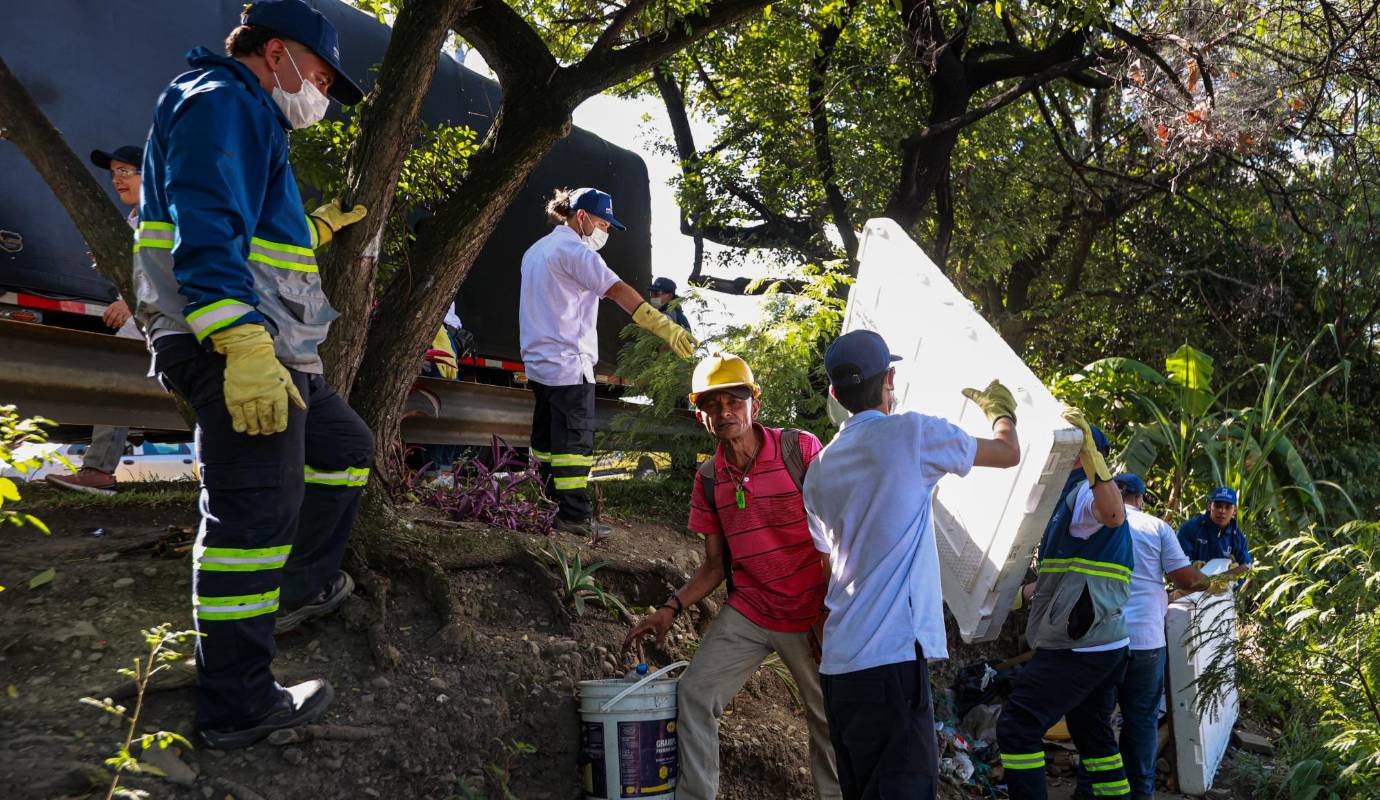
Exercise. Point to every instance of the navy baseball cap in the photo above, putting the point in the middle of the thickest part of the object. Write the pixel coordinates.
(128, 154)
(593, 201)
(663, 285)
(295, 20)
(1223, 494)
(1130, 483)
(856, 356)
(1104, 445)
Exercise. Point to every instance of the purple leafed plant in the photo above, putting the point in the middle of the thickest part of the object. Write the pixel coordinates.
(505, 492)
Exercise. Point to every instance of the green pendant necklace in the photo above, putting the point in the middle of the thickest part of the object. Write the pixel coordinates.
(739, 495)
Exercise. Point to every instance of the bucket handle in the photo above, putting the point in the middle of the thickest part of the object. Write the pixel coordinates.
(604, 709)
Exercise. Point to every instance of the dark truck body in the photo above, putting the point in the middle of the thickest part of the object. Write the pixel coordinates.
(96, 68)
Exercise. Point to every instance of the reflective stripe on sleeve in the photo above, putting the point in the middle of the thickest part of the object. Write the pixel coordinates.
(220, 314)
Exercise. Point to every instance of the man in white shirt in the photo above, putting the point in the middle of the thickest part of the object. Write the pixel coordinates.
(867, 498)
(563, 279)
(1157, 554)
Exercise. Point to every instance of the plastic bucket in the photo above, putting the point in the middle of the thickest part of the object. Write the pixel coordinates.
(628, 737)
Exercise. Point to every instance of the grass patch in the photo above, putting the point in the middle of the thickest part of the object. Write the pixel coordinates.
(664, 498)
(39, 496)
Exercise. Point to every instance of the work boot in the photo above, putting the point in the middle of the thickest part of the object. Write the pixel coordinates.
(87, 479)
(298, 705)
(327, 601)
(596, 531)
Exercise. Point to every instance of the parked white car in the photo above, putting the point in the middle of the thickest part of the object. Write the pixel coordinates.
(149, 461)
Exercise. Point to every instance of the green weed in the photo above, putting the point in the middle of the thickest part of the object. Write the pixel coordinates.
(578, 584)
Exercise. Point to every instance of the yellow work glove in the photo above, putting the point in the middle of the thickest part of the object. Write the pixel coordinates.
(651, 320)
(257, 385)
(330, 218)
(1094, 465)
(995, 401)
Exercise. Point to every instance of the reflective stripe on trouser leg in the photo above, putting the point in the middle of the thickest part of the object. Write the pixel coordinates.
(563, 442)
(251, 492)
(339, 450)
(1108, 776)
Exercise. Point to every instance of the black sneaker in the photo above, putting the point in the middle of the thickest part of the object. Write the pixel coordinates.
(596, 531)
(329, 600)
(299, 705)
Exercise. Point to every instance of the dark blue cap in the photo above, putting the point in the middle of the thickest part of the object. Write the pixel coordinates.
(856, 356)
(1223, 494)
(128, 154)
(663, 285)
(1104, 445)
(1130, 483)
(593, 201)
(295, 20)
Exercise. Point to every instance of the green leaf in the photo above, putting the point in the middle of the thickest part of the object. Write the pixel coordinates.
(43, 577)
(8, 490)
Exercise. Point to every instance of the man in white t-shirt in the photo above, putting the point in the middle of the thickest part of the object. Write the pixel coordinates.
(867, 499)
(563, 279)
(1157, 554)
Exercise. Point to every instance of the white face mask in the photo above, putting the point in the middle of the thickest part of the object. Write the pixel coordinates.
(596, 239)
(304, 107)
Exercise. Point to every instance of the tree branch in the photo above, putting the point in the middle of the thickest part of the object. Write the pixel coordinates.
(620, 21)
(510, 46)
(819, 128)
(99, 222)
(388, 123)
(602, 68)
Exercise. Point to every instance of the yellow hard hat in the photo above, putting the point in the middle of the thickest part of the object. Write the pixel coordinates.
(721, 371)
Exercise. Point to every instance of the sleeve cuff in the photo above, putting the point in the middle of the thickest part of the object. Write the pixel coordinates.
(220, 315)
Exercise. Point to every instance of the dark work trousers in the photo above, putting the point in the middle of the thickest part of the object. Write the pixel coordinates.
(1080, 688)
(563, 444)
(881, 721)
(275, 515)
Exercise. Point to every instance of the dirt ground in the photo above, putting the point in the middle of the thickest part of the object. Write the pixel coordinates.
(489, 714)
(446, 723)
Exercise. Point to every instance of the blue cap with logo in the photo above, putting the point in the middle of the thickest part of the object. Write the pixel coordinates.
(856, 356)
(663, 285)
(593, 201)
(295, 20)
(1223, 494)
(1130, 483)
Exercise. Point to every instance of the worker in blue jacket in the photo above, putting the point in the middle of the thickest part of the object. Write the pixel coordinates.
(234, 311)
(1215, 534)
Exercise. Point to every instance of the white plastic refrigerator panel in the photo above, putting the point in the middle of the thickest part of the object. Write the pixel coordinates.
(986, 524)
(1200, 629)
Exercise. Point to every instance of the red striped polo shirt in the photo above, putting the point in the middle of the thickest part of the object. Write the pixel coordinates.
(779, 578)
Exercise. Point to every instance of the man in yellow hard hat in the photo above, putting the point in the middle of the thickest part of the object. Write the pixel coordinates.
(747, 505)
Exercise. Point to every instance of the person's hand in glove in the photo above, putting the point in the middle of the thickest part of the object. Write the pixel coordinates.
(995, 401)
(653, 321)
(257, 385)
(330, 218)
(1094, 465)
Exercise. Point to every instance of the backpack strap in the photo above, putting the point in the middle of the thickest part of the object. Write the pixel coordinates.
(707, 481)
(792, 457)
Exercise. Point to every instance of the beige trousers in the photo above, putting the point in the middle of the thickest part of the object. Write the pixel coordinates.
(728, 655)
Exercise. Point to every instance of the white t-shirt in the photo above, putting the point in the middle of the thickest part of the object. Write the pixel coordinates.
(868, 500)
(562, 283)
(1082, 525)
(129, 330)
(1157, 552)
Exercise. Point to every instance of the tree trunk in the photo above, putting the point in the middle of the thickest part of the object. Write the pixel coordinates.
(523, 132)
(388, 125)
(99, 222)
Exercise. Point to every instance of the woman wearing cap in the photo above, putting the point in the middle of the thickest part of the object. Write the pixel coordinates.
(563, 279)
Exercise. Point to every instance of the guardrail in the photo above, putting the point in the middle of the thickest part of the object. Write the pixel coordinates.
(79, 378)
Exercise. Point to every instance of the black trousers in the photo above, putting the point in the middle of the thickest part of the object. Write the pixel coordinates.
(881, 721)
(563, 444)
(1081, 688)
(276, 512)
